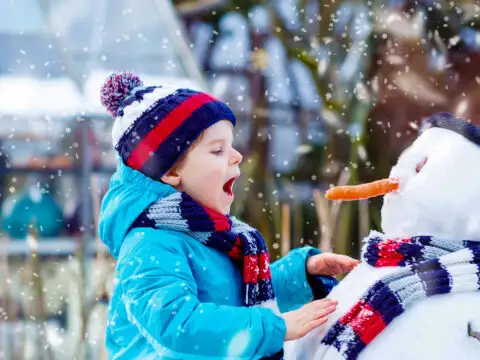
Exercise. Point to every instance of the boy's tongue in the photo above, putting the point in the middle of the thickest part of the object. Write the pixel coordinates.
(227, 187)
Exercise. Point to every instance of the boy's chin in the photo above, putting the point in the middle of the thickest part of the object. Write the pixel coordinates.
(226, 210)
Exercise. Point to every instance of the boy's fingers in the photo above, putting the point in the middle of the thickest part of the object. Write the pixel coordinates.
(323, 307)
(347, 265)
(324, 312)
(325, 301)
(354, 263)
(316, 323)
(348, 260)
(320, 304)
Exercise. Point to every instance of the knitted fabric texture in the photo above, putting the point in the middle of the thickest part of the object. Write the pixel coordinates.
(241, 242)
(444, 120)
(429, 266)
(155, 125)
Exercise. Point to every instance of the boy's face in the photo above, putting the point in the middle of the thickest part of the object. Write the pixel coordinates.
(211, 168)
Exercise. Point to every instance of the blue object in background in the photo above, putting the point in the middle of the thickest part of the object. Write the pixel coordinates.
(288, 11)
(304, 88)
(471, 38)
(232, 47)
(20, 211)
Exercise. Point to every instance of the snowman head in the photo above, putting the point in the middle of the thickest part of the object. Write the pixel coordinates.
(438, 183)
(439, 187)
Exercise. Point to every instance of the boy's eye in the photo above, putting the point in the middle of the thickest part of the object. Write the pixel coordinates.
(217, 152)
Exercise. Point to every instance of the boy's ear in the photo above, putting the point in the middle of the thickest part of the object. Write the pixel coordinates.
(171, 178)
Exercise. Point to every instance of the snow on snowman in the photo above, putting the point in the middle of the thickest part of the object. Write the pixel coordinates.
(416, 294)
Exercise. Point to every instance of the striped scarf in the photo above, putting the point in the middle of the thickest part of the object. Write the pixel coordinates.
(429, 266)
(244, 244)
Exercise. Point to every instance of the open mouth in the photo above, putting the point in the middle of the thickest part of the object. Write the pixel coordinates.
(228, 186)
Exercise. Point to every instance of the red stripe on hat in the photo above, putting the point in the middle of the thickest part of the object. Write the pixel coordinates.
(250, 269)
(367, 324)
(388, 254)
(264, 265)
(165, 127)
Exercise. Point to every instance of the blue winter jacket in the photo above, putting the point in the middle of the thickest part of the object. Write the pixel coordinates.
(175, 298)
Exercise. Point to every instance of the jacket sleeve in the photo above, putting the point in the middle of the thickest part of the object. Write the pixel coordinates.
(289, 277)
(160, 295)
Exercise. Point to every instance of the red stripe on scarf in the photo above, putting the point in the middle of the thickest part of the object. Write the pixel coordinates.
(237, 250)
(250, 269)
(388, 252)
(345, 319)
(220, 222)
(264, 265)
(164, 128)
(365, 322)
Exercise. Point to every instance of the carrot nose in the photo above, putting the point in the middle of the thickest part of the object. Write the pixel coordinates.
(363, 191)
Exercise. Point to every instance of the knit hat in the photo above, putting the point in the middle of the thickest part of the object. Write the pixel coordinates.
(448, 121)
(155, 125)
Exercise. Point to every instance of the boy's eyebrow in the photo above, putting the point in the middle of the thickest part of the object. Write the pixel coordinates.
(216, 141)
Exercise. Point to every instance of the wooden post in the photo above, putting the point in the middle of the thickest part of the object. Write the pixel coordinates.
(286, 227)
(324, 220)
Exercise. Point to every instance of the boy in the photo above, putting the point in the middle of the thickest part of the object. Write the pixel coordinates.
(191, 281)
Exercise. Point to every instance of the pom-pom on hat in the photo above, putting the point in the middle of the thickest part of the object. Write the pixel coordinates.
(155, 125)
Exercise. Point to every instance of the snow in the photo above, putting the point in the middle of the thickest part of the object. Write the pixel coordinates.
(239, 344)
(27, 96)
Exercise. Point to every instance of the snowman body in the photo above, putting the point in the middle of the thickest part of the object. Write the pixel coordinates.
(439, 195)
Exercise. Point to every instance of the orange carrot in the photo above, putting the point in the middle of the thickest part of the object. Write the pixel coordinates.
(362, 191)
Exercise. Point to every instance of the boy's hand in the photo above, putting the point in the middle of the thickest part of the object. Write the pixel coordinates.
(299, 322)
(330, 264)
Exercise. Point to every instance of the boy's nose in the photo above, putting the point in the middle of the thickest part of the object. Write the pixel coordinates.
(236, 157)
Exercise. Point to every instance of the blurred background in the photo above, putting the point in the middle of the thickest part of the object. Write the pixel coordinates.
(326, 92)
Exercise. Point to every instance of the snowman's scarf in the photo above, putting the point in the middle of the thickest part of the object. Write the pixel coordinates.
(430, 266)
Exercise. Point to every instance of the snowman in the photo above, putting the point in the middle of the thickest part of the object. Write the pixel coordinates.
(416, 293)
